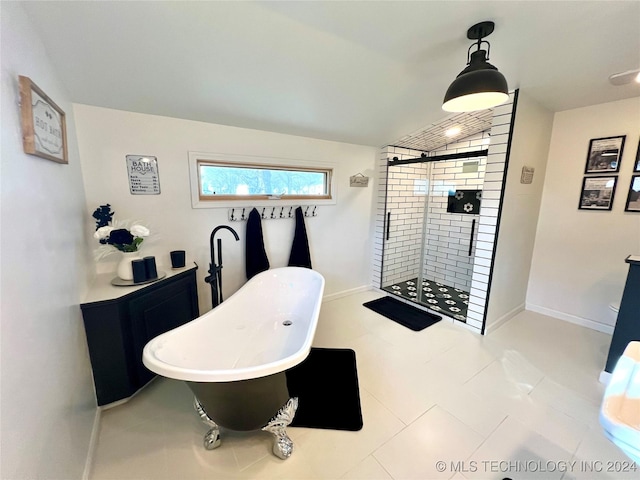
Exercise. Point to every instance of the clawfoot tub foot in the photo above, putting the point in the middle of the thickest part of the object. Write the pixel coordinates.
(282, 445)
(212, 437)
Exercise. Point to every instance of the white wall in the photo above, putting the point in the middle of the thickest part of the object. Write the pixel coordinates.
(339, 237)
(520, 209)
(578, 261)
(48, 402)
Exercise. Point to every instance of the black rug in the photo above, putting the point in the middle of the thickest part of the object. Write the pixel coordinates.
(326, 384)
(404, 314)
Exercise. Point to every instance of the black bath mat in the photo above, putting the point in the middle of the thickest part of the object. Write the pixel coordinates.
(404, 314)
(326, 384)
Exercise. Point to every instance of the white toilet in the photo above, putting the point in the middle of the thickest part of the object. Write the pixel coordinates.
(620, 410)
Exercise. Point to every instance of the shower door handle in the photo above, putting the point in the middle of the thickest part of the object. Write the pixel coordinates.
(473, 228)
(388, 223)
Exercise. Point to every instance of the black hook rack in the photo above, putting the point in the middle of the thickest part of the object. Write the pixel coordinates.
(308, 211)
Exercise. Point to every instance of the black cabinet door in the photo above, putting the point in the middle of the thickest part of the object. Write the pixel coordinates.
(109, 340)
(627, 327)
(157, 312)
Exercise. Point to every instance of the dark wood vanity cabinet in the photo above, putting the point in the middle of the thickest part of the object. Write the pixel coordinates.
(118, 328)
(627, 327)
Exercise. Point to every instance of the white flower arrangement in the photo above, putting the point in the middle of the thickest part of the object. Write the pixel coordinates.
(123, 236)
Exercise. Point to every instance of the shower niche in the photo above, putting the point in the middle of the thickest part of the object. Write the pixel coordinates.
(437, 215)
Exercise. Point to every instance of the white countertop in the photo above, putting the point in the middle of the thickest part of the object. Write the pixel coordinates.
(633, 259)
(101, 289)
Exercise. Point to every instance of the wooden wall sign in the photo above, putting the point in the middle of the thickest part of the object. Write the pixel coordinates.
(44, 131)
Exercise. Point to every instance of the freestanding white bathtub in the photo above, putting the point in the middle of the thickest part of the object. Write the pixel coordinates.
(234, 357)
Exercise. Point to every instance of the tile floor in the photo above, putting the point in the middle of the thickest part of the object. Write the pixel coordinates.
(437, 296)
(523, 397)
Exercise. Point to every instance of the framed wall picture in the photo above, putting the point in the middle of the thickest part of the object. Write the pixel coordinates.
(597, 193)
(44, 130)
(605, 154)
(633, 199)
(636, 168)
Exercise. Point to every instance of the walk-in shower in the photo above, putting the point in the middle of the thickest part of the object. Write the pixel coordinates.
(424, 232)
(431, 223)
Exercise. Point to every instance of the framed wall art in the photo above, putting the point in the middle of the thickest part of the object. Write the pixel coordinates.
(633, 198)
(605, 154)
(44, 130)
(636, 167)
(597, 193)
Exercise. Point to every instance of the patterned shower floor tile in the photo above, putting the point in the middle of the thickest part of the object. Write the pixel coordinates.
(435, 295)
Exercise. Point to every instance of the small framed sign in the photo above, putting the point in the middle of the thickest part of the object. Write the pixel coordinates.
(143, 175)
(526, 177)
(597, 193)
(44, 130)
(358, 180)
(633, 199)
(605, 154)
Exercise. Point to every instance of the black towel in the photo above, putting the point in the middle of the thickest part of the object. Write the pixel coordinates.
(255, 255)
(300, 256)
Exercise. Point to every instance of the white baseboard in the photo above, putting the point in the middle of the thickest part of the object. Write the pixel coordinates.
(344, 293)
(93, 442)
(503, 319)
(600, 327)
(464, 325)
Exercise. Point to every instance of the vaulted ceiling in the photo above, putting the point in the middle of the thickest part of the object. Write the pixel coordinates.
(358, 72)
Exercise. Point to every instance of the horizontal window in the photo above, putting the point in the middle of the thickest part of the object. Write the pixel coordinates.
(239, 181)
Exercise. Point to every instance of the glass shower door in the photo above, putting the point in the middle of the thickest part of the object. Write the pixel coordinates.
(407, 187)
(450, 229)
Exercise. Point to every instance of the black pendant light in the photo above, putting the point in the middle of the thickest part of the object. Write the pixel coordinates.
(480, 85)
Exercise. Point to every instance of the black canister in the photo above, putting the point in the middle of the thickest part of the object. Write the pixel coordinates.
(150, 267)
(139, 271)
(177, 258)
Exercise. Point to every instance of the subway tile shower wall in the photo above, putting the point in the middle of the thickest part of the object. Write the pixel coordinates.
(489, 210)
(448, 235)
(407, 187)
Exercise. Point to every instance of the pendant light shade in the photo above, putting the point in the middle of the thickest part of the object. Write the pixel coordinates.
(480, 85)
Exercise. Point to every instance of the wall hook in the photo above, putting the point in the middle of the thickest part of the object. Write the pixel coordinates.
(243, 217)
(290, 210)
(306, 212)
(273, 211)
(232, 218)
(282, 212)
(262, 215)
(313, 214)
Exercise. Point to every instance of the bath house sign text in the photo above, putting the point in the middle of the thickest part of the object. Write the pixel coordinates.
(143, 175)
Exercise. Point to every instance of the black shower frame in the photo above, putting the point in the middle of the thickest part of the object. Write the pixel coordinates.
(438, 158)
